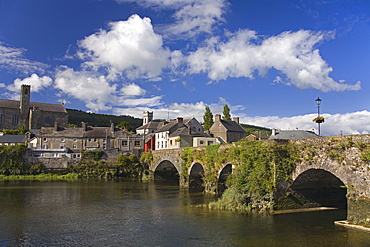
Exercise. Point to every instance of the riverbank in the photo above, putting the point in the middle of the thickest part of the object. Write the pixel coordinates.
(302, 210)
(350, 225)
(40, 177)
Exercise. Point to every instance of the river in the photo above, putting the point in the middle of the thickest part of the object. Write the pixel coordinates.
(133, 213)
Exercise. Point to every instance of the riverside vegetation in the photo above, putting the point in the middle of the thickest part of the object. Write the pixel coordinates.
(13, 166)
(260, 168)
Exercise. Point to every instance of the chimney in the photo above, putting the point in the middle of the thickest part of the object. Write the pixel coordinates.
(189, 129)
(112, 127)
(236, 119)
(83, 124)
(273, 132)
(180, 120)
(217, 118)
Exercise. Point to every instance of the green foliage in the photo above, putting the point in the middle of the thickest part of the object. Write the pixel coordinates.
(37, 168)
(20, 131)
(125, 125)
(346, 143)
(365, 156)
(256, 130)
(226, 113)
(42, 177)
(95, 155)
(146, 158)
(12, 161)
(207, 119)
(319, 119)
(260, 166)
(232, 200)
(128, 166)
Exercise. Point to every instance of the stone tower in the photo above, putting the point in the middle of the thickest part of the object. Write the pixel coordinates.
(148, 117)
(24, 103)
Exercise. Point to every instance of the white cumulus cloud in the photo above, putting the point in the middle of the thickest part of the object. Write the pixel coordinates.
(37, 83)
(292, 53)
(130, 47)
(94, 90)
(335, 124)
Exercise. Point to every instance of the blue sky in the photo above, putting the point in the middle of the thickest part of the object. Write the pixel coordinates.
(268, 60)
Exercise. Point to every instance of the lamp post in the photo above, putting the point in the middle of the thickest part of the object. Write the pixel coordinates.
(318, 102)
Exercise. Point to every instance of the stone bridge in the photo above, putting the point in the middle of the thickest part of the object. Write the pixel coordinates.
(337, 166)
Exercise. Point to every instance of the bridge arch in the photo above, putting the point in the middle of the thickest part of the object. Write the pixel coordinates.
(339, 170)
(196, 175)
(223, 174)
(320, 188)
(166, 170)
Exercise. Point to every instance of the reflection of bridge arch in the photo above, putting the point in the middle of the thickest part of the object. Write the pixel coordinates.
(321, 188)
(196, 175)
(223, 174)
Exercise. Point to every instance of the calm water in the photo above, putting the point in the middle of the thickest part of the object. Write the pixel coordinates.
(128, 213)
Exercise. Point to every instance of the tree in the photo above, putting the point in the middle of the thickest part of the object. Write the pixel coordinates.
(207, 119)
(226, 113)
(125, 125)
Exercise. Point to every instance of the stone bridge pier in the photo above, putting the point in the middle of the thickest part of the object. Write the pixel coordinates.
(167, 164)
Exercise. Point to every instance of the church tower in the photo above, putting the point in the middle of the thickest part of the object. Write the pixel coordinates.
(24, 102)
(148, 117)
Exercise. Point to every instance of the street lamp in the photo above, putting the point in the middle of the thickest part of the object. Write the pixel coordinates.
(318, 102)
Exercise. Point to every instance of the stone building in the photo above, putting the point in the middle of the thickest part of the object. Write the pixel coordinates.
(31, 115)
(60, 141)
(229, 131)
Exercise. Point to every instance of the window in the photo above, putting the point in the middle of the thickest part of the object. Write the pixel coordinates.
(137, 143)
(74, 146)
(210, 143)
(44, 146)
(15, 119)
(47, 122)
(1, 118)
(62, 140)
(44, 139)
(75, 139)
(124, 143)
(201, 142)
(62, 146)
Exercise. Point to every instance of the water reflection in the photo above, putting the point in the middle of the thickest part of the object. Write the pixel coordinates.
(131, 213)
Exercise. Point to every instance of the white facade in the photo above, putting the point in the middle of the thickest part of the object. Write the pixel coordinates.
(161, 140)
(204, 141)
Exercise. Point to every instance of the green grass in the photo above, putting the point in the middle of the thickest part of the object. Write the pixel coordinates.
(41, 177)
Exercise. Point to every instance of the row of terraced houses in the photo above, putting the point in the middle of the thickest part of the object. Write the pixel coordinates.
(49, 136)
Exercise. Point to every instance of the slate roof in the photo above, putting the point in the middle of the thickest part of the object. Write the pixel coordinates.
(292, 134)
(184, 131)
(232, 126)
(13, 139)
(91, 132)
(150, 125)
(170, 126)
(14, 104)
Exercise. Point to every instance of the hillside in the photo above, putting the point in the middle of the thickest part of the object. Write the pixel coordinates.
(100, 120)
(252, 129)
